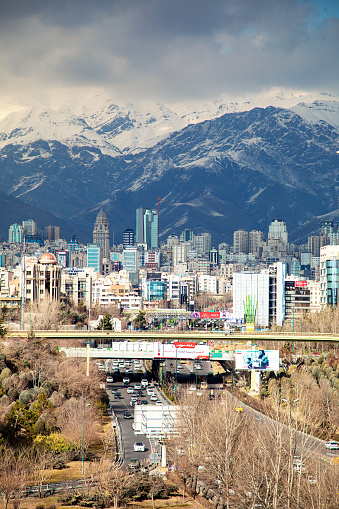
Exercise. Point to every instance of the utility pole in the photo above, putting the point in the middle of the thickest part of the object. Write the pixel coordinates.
(159, 200)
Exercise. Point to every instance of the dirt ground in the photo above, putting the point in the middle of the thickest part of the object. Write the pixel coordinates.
(171, 503)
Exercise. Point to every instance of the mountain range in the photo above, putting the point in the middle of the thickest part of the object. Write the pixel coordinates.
(219, 166)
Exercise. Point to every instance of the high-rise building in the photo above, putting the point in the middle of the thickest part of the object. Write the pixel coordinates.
(130, 259)
(147, 227)
(329, 276)
(101, 234)
(186, 235)
(30, 227)
(240, 242)
(326, 227)
(315, 242)
(277, 230)
(255, 241)
(52, 233)
(202, 243)
(128, 238)
(16, 233)
(94, 257)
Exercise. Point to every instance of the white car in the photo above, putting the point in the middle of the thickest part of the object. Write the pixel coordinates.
(137, 387)
(159, 403)
(139, 447)
(109, 379)
(154, 397)
(130, 390)
(149, 391)
(332, 444)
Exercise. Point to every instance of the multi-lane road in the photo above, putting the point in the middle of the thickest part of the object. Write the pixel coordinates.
(123, 404)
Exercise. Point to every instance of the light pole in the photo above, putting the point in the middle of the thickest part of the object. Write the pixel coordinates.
(83, 440)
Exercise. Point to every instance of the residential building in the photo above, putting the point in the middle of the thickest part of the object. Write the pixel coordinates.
(179, 254)
(16, 234)
(52, 233)
(315, 242)
(128, 239)
(76, 285)
(255, 242)
(202, 243)
(240, 242)
(30, 227)
(186, 235)
(130, 259)
(277, 230)
(42, 278)
(101, 234)
(297, 298)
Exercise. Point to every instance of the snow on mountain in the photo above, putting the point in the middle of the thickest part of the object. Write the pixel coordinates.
(327, 111)
(27, 125)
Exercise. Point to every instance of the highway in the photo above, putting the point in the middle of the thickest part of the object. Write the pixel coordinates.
(121, 405)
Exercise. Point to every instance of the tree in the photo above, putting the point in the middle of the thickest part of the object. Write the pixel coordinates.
(13, 472)
(140, 320)
(2, 328)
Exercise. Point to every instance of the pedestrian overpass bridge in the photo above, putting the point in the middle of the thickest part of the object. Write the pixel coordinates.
(150, 350)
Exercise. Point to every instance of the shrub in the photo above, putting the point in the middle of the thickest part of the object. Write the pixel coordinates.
(5, 373)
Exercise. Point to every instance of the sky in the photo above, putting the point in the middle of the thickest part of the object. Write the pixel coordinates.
(166, 50)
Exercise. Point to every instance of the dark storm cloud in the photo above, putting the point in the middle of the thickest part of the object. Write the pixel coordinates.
(166, 49)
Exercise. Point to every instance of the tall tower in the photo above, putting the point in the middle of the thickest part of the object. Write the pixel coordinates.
(147, 227)
(101, 233)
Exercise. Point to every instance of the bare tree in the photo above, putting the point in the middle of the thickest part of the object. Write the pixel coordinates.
(13, 472)
(44, 315)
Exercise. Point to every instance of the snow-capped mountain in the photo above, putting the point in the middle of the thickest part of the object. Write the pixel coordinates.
(221, 165)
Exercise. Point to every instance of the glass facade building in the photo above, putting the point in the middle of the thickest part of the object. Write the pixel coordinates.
(94, 258)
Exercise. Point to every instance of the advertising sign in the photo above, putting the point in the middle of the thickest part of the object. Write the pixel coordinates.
(228, 317)
(266, 360)
(300, 283)
(180, 350)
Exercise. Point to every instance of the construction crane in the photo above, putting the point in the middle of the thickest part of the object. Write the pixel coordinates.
(159, 200)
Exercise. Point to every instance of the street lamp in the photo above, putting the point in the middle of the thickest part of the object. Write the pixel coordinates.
(83, 440)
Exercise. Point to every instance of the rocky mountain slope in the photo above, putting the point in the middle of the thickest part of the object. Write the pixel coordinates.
(237, 170)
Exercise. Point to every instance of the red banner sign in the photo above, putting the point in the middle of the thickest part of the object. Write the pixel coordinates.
(301, 283)
(182, 344)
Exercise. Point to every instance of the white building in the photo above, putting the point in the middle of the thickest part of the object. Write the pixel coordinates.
(252, 290)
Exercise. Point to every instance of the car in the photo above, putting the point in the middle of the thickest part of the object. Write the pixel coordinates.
(159, 403)
(137, 387)
(140, 372)
(117, 395)
(144, 382)
(144, 402)
(128, 415)
(129, 372)
(139, 447)
(109, 379)
(133, 464)
(133, 397)
(154, 397)
(198, 367)
(203, 385)
(140, 393)
(126, 380)
(239, 409)
(150, 391)
(130, 390)
(332, 444)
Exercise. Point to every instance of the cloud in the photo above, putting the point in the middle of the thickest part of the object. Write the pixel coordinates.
(166, 50)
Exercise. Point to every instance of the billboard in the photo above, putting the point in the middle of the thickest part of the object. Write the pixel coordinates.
(181, 350)
(229, 318)
(257, 359)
